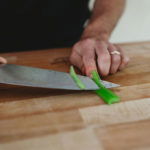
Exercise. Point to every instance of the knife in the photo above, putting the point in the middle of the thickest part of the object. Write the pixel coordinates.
(43, 78)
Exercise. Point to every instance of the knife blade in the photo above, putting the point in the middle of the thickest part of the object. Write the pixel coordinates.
(44, 78)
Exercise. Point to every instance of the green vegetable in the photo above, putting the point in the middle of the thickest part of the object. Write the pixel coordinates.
(96, 78)
(76, 78)
(107, 95)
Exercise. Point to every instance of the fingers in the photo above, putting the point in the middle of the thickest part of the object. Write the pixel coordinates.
(86, 63)
(83, 56)
(115, 59)
(89, 55)
(103, 59)
(89, 64)
(76, 60)
(3, 60)
(124, 58)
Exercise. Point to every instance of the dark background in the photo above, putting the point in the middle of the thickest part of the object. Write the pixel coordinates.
(35, 24)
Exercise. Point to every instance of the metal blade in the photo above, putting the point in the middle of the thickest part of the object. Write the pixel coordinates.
(36, 77)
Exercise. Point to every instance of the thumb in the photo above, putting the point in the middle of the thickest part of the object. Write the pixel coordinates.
(3, 60)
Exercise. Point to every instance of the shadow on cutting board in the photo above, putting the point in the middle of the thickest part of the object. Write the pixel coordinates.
(16, 93)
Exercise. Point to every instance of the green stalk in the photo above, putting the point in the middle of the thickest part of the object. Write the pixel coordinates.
(76, 78)
(107, 95)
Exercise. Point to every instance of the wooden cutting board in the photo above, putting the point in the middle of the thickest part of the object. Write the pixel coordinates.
(44, 119)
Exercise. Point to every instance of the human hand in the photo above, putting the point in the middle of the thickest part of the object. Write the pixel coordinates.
(92, 54)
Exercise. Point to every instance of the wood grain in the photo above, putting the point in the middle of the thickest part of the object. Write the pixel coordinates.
(45, 119)
(125, 136)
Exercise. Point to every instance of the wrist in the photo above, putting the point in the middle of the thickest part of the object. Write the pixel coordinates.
(94, 32)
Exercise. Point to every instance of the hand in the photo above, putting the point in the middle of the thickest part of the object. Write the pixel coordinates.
(91, 54)
(3, 60)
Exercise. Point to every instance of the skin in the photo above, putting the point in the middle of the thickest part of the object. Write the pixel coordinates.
(3, 60)
(92, 51)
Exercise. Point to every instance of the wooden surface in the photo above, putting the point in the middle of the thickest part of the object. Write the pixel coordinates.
(44, 119)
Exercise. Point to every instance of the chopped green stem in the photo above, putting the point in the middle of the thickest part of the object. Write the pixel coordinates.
(76, 78)
(96, 78)
(107, 95)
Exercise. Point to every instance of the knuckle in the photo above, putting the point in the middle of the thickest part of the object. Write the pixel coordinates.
(101, 46)
(88, 44)
(89, 41)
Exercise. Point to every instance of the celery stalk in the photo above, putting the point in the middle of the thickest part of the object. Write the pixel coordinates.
(107, 95)
(76, 78)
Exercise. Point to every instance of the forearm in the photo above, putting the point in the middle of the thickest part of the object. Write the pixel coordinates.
(105, 16)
